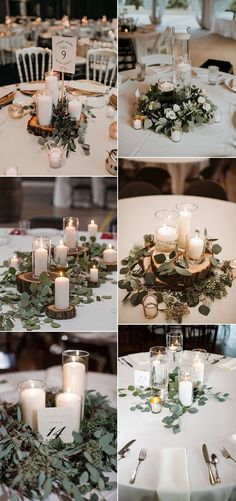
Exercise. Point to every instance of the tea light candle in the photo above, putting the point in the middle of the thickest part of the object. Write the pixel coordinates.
(198, 372)
(75, 108)
(217, 116)
(92, 229)
(166, 87)
(74, 377)
(14, 261)
(93, 274)
(184, 225)
(51, 81)
(186, 392)
(166, 233)
(109, 255)
(71, 400)
(44, 106)
(195, 246)
(110, 111)
(55, 157)
(70, 236)
(32, 399)
(137, 123)
(62, 292)
(173, 347)
(175, 135)
(61, 251)
(41, 261)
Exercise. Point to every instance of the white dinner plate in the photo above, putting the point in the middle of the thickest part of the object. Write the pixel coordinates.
(44, 232)
(229, 83)
(31, 86)
(96, 102)
(87, 86)
(4, 91)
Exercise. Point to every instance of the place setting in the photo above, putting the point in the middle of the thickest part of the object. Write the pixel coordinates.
(167, 392)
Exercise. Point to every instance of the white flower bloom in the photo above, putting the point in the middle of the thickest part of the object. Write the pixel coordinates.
(176, 107)
(150, 107)
(201, 100)
(206, 106)
(171, 114)
(166, 110)
(204, 92)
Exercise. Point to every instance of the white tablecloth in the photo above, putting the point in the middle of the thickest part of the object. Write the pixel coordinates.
(26, 147)
(142, 40)
(214, 140)
(137, 218)
(213, 425)
(103, 383)
(97, 316)
(224, 27)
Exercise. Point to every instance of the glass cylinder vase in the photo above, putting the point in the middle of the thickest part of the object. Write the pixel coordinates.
(70, 232)
(75, 370)
(32, 395)
(185, 385)
(198, 367)
(166, 233)
(174, 345)
(41, 256)
(195, 250)
(44, 107)
(184, 222)
(183, 75)
(181, 41)
(158, 369)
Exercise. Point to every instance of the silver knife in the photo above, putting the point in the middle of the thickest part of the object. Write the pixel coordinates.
(126, 446)
(216, 361)
(207, 459)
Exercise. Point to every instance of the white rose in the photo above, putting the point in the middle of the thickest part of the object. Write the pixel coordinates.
(171, 114)
(150, 107)
(206, 106)
(167, 110)
(201, 100)
(176, 107)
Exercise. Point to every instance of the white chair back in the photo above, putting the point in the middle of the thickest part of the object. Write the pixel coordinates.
(102, 66)
(32, 63)
(156, 59)
(164, 43)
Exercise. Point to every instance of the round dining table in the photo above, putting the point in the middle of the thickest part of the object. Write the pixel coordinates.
(137, 218)
(20, 148)
(211, 140)
(142, 39)
(174, 468)
(102, 383)
(96, 316)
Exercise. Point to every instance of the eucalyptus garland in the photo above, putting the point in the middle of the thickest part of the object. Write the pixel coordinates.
(29, 308)
(177, 410)
(177, 110)
(175, 304)
(34, 468)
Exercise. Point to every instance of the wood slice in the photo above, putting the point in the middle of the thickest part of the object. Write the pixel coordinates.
(94, 285)
(34, 128)
(24, 281)
(52, 312)
(177, 282)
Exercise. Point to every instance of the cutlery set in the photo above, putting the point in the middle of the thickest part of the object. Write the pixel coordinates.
(213, 460)
(142, 456)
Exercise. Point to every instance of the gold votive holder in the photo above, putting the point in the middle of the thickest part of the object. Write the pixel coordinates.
(156, 404)
(150, 306)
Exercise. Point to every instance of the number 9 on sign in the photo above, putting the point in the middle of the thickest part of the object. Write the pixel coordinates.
(63, 53)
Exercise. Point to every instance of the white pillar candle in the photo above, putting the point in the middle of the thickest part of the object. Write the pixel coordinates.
(70, 236)
(14, 261)
(184, 71)
(109, 255)
(110, 111)
(93, 274)
(160, 371)
(61, 251)
(166, 233)
(198, 372)
(62, 292)
(195, 247)
(52, 84)
(74, 378)
(184, 224)
(166, 87)
(137, 123)
(44, 105)
(92, 229)
(176, 135)
(32, 399)
(186, 392)
(71, 400)
(41, 261)
(75, 108)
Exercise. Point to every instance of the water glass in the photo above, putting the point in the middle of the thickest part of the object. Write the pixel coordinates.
(141, 69)
(213, 73)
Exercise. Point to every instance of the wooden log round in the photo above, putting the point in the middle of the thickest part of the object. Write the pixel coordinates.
(53, 312)
(24, 281)
(177, 282)
(94, 285)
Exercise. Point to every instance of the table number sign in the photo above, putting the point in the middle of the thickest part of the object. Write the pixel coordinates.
(58, 422)
(141, 378)
(64, 54)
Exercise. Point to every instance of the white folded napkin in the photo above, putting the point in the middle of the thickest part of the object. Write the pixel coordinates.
(172, 475)
(228, 364)
(32, 86)
(87, 86)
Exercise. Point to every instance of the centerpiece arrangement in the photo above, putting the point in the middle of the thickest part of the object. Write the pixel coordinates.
(61, 443)
(175, 381)
(176, 270)
(47, 284)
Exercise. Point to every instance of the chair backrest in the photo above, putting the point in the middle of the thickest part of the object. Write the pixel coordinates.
(102, 65)
(164, 42)
(138, 189)
(33, 62)
(206, 188)
(155, 59)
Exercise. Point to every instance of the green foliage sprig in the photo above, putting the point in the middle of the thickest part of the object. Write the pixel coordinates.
(33, 468)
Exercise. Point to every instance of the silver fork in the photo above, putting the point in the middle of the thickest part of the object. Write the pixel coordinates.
(142, 456)
(226, 454)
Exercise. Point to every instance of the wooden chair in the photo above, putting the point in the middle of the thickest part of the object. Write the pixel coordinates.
(126, 54)
(32, 63)
(138, 189)
(102, 66)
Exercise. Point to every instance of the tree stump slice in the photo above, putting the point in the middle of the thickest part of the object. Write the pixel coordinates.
(177, 282)
(24, 281)
(94, 285)
(34, 128)
(53, 312)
